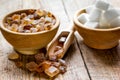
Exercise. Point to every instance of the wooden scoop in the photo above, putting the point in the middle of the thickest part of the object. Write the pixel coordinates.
(60, 44)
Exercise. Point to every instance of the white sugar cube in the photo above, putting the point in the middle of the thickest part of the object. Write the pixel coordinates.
(83, 18)
(101, 4)
(91, 24)
(95, 14)
(103, 22)
(115, 22)
(110, 14)
(89, 9)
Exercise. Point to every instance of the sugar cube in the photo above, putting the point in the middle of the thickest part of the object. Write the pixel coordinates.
(33, 30)
(31, 66)
(62, 62)
(89, 9)
(62, 69)
(103, 22)
(56, 64)
(52, 71)
(95, 14)
(115, 22)
(110, 14)
(62, 39)
(83, 18)
(101, 4)
(91, 24)
(46, 64)
(59, 53)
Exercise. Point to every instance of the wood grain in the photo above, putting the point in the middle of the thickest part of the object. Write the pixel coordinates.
(84, 63)
(101, 64)
(11, 72)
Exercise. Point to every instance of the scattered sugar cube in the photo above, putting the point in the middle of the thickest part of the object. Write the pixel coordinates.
(95, 14)
(115, 22)
(39, 57)
(101, 4)
(62, 62)
(89, 9)
(56, 64)
(62, 69)
(46, 64)
(111, 14)
(62, 39)
(31, 66)
(52, 57)
(91, 24)
(83, 18)
(52, 71)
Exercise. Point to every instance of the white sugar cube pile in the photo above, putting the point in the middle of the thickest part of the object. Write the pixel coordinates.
(100, 15)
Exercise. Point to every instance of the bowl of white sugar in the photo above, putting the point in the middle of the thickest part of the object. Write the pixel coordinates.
(99, 25)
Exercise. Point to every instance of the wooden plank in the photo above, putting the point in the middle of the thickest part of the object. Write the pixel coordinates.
(76, 68)
(9, 6)
(101, 64)
(11, 72)
(8, 70)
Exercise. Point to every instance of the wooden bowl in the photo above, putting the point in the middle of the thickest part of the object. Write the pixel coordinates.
(28, 43)
(97, 38)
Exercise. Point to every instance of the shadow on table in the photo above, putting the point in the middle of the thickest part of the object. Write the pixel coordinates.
(110, 57)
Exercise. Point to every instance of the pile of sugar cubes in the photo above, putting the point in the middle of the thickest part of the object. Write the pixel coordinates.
(100, 15)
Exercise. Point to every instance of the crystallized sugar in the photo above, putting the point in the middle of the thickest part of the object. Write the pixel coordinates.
(89, 9)
(91, 24)
(115, 22)
(101, 15)
(101, 4)
(111, 14)
(83, 18)
(95, 14)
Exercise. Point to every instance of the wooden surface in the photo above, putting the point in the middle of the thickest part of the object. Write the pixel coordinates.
(83, 63)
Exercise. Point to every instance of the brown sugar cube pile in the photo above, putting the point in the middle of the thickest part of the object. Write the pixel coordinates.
(39, 63)
(30, 22)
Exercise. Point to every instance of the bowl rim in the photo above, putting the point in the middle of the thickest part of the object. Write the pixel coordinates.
(76, 22)
(41, 32)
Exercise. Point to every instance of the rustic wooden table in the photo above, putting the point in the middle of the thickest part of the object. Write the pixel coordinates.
(84, 63)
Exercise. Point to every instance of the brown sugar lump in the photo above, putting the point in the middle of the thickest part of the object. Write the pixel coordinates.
(39, 57)
(62, 62)
(19, 64)
(57, 48)
(31, 21)
(13, 56)
(59, 53)
(63, 69)
(52, 71)
(40, 68)
(46, 64)
(56, 64)
(31, 66)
